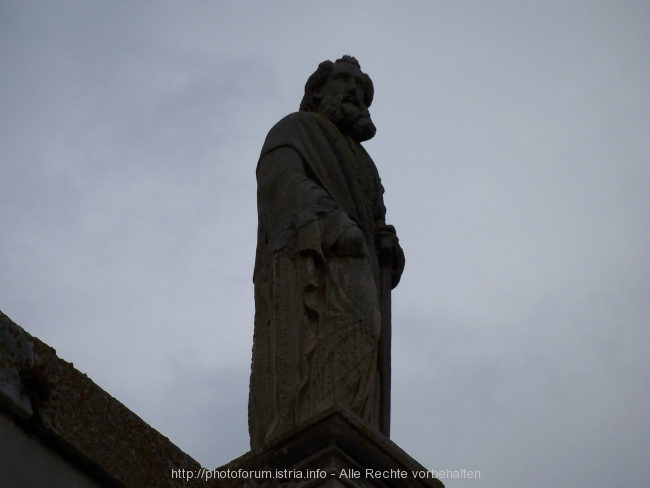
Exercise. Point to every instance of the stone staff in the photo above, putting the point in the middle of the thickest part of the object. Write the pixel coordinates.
(386, 272)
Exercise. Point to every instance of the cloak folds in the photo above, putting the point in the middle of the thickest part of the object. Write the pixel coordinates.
(317, 314)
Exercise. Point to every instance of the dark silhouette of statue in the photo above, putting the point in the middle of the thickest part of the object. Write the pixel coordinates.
(322, 314)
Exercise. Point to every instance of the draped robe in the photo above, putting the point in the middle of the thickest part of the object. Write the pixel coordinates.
(317, 314)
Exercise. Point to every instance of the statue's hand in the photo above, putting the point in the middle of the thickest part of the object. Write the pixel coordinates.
(350, 243)
(397, 259)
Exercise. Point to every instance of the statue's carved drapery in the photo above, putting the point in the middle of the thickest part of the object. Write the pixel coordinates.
(317, 278)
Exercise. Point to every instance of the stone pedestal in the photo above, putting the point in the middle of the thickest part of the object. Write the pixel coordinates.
(334, 450)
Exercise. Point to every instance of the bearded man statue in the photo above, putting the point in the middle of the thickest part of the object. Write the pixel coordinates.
(318, 309)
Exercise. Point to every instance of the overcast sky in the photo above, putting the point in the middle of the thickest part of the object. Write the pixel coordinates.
(514, 145)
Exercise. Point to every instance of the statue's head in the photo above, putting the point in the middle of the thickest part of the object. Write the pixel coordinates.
(342, 92)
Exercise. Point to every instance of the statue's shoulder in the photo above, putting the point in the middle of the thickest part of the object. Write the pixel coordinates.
(294, 130)
(297, 120)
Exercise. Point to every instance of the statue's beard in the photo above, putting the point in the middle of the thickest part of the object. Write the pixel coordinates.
(349, 115)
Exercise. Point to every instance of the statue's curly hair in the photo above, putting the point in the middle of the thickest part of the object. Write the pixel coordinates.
(310, 102)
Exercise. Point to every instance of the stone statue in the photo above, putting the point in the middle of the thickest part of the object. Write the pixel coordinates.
(322, 316)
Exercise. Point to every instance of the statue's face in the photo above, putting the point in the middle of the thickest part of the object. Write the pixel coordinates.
(341, 101)
(344, 84)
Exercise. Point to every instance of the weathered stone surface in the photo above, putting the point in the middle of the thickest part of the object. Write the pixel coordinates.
(16, 358)
(322, 333)
(86, 426)
(330, 443)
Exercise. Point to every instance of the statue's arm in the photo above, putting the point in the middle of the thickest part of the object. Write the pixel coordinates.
(397, 259)
(285, 186)
(276, 166)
